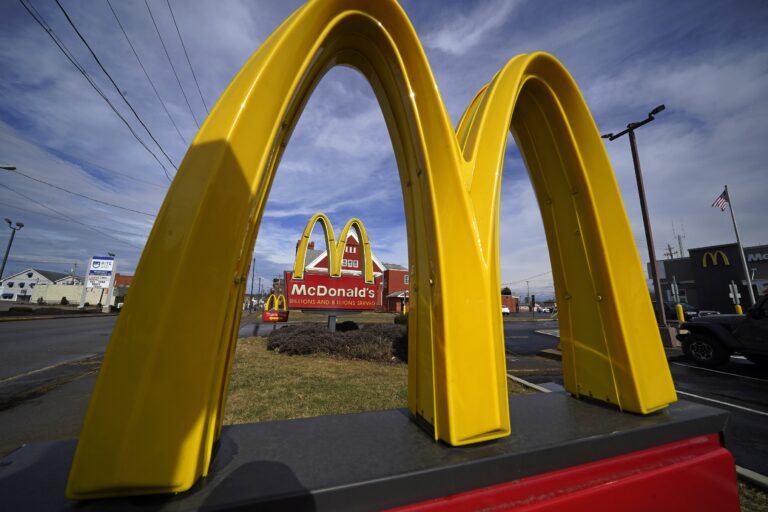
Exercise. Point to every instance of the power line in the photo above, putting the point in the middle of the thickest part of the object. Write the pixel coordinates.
(83, 195)
(60, 44)
(146, 74)
(64, 215)
(528, 278)
(171, 63)
(61, 219)
(187, 55)
(119, 92)
(79, 161)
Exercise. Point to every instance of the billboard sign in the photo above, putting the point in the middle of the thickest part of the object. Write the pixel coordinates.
(321, 291)
(100, 272)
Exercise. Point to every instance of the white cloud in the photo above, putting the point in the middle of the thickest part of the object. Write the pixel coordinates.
(464, 30)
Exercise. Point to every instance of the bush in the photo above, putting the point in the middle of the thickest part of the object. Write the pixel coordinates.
(40, 300)
(401, 319)
(347, 325)
(372, 342)
(64, 301)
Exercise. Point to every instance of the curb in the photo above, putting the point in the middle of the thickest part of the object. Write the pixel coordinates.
(551, 353)
(753, 477)
(53, 317)
(528, 384)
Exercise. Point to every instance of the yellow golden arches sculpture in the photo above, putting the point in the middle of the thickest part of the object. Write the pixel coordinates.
(335, 249)
(157, 406)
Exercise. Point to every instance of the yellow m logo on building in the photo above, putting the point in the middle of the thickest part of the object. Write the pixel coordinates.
(335, 249)
(713, 258)
(156, 410)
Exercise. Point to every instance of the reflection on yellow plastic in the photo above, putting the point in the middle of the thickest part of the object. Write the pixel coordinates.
(157, 406)
(335, 249)
(274, 303)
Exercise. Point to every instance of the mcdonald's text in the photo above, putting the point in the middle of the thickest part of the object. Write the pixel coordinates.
(320, 291)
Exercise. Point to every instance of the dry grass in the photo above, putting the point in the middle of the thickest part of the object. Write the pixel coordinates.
(752, 499)
(270, 386)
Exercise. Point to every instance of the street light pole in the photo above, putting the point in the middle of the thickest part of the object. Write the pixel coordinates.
(630, 130)
(19, 225)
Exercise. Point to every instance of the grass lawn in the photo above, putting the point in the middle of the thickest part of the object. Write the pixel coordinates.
(268, 386)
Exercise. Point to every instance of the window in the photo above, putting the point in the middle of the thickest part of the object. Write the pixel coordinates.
(405, 279)
(31, 285)
(9, 284)
(29, 275)
(22, 285)
(7, 296)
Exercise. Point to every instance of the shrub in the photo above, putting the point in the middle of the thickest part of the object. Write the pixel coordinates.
(401, 319)
(40, 300)
(372, 342)
(347, 325)
(64, 301)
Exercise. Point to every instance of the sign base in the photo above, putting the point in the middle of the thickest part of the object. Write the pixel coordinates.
(563, 453)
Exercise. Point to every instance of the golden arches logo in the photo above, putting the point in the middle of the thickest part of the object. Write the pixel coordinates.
(335, 249)
(713, 258)
(274, 301)
(451, 183)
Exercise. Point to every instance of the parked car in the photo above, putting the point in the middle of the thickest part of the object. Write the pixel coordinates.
(504, 310)
(711, 340)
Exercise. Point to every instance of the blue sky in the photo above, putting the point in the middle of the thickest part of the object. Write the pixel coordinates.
(707, 61)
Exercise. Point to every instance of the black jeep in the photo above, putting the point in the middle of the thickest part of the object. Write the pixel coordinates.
(709, 341)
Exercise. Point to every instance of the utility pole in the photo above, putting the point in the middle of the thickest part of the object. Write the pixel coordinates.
(670, 254)
(630, 130)
(19, 225)
(679, 237)
(253, 277)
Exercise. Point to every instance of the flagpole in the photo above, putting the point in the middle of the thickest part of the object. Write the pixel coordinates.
(741, 249)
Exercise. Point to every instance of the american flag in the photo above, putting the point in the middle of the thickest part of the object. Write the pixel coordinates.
(721, 201)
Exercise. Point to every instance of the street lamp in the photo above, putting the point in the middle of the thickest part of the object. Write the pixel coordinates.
(631, 127)
(19, 225)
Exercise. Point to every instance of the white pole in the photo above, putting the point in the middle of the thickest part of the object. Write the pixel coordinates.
(741, 249)
(110, 294)
(85, 283)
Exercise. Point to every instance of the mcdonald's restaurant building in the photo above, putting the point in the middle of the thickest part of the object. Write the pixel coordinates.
(703, 278)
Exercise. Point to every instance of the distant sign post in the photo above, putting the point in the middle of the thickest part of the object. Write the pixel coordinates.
(100, 275)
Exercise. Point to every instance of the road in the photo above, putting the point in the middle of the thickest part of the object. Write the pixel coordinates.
(740, 387)
(31, 345)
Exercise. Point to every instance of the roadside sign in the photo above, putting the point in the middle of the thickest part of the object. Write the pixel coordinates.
(100, 272)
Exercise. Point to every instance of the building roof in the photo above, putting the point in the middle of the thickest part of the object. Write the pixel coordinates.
(50, 274)
(394, 266)
(47, 274)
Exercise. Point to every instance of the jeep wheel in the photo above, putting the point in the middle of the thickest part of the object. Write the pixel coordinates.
(705, 351)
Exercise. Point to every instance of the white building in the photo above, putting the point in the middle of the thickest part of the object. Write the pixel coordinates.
(21, 285)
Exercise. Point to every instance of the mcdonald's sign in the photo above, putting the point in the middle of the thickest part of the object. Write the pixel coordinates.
(273, 312)
(157, 407)
(713, 257)
(334, 290)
